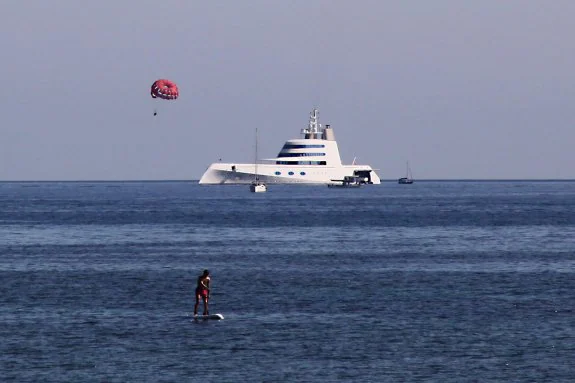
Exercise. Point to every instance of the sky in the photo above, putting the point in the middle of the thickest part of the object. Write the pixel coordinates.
(460, 89)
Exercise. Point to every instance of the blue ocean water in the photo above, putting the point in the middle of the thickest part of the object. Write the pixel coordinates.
(435, 282)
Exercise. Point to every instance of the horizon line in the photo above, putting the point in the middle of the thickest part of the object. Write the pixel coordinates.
(382, 180)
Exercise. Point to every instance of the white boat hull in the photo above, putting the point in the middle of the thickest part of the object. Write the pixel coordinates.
(258, 188)
(228, 173)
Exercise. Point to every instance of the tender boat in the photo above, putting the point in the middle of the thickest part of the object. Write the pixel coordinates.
(312, 159)
(346, 182)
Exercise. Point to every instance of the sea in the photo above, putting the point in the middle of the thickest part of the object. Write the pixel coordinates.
(438, 281)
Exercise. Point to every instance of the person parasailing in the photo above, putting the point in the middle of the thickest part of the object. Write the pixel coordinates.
(164, 89)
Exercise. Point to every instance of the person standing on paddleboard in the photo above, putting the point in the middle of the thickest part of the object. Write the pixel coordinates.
(203, 292)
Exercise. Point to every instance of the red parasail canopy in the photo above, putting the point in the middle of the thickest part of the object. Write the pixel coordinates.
(166, 89)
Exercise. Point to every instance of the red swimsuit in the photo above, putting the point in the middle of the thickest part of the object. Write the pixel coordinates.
(201, 290)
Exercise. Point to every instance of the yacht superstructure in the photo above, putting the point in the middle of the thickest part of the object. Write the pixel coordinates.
(312, 159)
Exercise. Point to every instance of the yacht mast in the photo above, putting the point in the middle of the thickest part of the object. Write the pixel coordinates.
(314, 128)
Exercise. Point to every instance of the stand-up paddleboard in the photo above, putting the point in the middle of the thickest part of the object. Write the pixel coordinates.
(210, 316)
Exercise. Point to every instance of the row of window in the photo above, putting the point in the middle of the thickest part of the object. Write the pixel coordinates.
(294, 146)
(301, 163)
(289, 173)
(281, 154)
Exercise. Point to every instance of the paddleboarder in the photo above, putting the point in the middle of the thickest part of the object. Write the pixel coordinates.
(203, 292)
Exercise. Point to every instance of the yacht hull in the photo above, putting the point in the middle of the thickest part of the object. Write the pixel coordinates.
(229, 173)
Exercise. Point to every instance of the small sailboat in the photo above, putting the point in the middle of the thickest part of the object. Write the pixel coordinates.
(257, 186)
(408, 179)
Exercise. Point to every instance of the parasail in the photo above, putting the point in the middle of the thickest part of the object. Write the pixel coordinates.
(166, 89)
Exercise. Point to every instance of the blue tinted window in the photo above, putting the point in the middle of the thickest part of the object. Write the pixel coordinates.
(302, 173)
(294, 146)
(281, 154)
(301, 163)
(290, 173)
(278, 173)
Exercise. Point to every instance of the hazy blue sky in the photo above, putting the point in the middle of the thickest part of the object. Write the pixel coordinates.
(461, 89)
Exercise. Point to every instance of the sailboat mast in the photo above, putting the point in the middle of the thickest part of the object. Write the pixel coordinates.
(256, 158)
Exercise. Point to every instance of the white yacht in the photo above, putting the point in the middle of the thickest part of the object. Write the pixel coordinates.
(312, 159)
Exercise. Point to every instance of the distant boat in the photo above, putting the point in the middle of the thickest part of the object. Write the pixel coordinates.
(257, 186)
(346, 182)
(408, 179)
